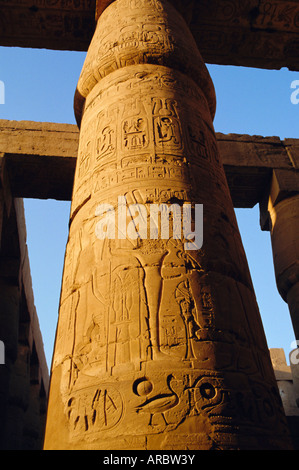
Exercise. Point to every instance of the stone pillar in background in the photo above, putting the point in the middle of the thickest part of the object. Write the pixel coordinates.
(157, 346)
(280, 215)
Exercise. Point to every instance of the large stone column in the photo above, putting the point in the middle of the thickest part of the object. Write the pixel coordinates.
(158, 346)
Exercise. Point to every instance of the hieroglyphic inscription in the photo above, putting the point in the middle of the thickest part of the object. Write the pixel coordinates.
(166, 125)
(98, 409)
(161, 339)
(277, 15)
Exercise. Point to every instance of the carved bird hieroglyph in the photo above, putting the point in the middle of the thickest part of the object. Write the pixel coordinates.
(162, 403)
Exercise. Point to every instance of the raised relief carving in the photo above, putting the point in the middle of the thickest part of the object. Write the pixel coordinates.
(158, 407)
(185, 300)
(276, 15)
(85, 154)
(84, 160)
(198, 141)
(167, 128)
(106, 141)
(135, 133)
(129, 319)
(141, 4)
(179, 397)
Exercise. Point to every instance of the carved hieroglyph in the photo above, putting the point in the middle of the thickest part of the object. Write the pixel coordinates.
(157, 347)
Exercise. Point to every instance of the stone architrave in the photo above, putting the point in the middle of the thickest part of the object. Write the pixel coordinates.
(157, 346)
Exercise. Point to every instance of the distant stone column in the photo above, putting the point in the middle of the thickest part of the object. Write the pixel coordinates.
(284, 217)
(279, 210)
(159, 345)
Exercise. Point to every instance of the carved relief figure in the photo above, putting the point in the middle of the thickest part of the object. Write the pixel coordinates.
(166, 124)
(158, 406)
(135, 134)
(185, 299)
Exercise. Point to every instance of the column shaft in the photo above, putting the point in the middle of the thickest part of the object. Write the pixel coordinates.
(158, 346)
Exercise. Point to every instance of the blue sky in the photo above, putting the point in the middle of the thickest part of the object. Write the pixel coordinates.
(40, 86)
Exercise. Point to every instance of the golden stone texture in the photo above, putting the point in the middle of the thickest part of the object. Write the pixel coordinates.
(157, 347)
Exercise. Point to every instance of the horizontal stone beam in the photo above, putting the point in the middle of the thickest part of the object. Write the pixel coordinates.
(40, 160)
(57, 25)
(251, 33)
(249, 162)
(255, 33)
